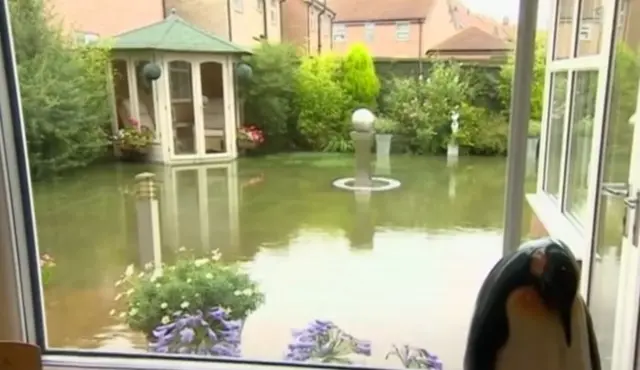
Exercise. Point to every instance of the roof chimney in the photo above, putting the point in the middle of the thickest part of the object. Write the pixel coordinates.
(505, 21)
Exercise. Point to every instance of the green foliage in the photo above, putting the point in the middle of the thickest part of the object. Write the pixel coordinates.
(323, 119)
(269, 95)
(358, 77)
(64, 88)
(482, 132)
(537, 82)
(47, 265)
(384, 125)
(534, 128)
(424, 108)
(155, 296)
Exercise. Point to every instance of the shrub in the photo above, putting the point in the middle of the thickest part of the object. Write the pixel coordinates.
(155, 296)
(64, 89)
(537, 82)
(482, 132)
(47, 265)
(385, 125)
(269, 95)
(358, 78)
(423, 108)
(323, 120)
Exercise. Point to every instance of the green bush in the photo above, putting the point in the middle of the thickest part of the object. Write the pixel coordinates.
(423, 108)
(358, 78)
(64, 89)
(153, 297)
(537, 82)
(384, 125)
(482, 132)
(269, 95)
(323, 121)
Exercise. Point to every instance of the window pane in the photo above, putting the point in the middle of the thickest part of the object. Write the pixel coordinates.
(564, 29)
(625, 80)
(581, 134)
(556, 123)
(590, 27)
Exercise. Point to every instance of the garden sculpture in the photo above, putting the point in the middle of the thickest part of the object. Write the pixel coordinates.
(529, 315)
(454, 122)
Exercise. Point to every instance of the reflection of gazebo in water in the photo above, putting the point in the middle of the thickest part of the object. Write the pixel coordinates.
(192, 105)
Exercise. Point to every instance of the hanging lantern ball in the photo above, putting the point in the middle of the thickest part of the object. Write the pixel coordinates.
(244, 71)
(151, 71)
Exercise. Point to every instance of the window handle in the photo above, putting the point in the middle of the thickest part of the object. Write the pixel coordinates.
(621, 191)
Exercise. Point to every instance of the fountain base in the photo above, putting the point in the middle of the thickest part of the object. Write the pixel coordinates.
(375, 184)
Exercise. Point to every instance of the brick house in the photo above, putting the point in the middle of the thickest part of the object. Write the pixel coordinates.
(307, 24)
(412, 28)
(242, 21)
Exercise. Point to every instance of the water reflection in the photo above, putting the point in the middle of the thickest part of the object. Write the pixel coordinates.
(387, 266)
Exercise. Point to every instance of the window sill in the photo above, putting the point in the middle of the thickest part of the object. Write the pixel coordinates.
(557, 224)
(128, 362)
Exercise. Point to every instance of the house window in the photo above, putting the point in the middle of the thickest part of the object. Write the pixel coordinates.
(274, 12)
(585, 32)
(312, 20)
(85, 38)
(369, 29)
(339, 32)
(180, 80)
(238, 5)
(259, 5)
(402, 31)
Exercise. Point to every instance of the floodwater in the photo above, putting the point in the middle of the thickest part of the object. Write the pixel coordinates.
(403, 267)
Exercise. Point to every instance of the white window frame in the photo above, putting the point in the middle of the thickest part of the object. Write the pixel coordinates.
(548, 209)
(403, 30)
(369, 31)
(86, 38)
(339, 32)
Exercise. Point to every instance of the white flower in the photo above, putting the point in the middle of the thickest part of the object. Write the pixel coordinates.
(209, 275)
(129, 292)
(128, 272)
(164, 305)
(141, 274)
(122, 315)
(248, 292)
(197, 294)
(182, 249)
(184, 305)
(133, 312)
(237, 293)
(148, 266)
(118, 283)
(215, 255)
(189, 280)
(165, 320)
(201, 262)
(158, 285)
(118, 296)
(112, 312)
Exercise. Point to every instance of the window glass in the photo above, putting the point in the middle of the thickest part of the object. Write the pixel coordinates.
(620, 122)
(584, 91)
(339, 32)
(590, 27)
(238, 5)
(369, 29)
(564, 29)
(555, 131)
(402, 31)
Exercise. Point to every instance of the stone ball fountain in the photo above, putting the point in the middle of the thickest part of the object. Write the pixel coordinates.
(362, 135)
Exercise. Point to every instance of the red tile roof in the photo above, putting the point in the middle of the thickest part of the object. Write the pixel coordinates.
(471, 38)
(380, 10)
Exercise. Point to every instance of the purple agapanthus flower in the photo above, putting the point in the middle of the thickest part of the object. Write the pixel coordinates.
(323, 341)
(416, 358)
(211, 333)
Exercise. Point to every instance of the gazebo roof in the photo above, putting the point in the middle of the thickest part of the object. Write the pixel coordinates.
(175, 34)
